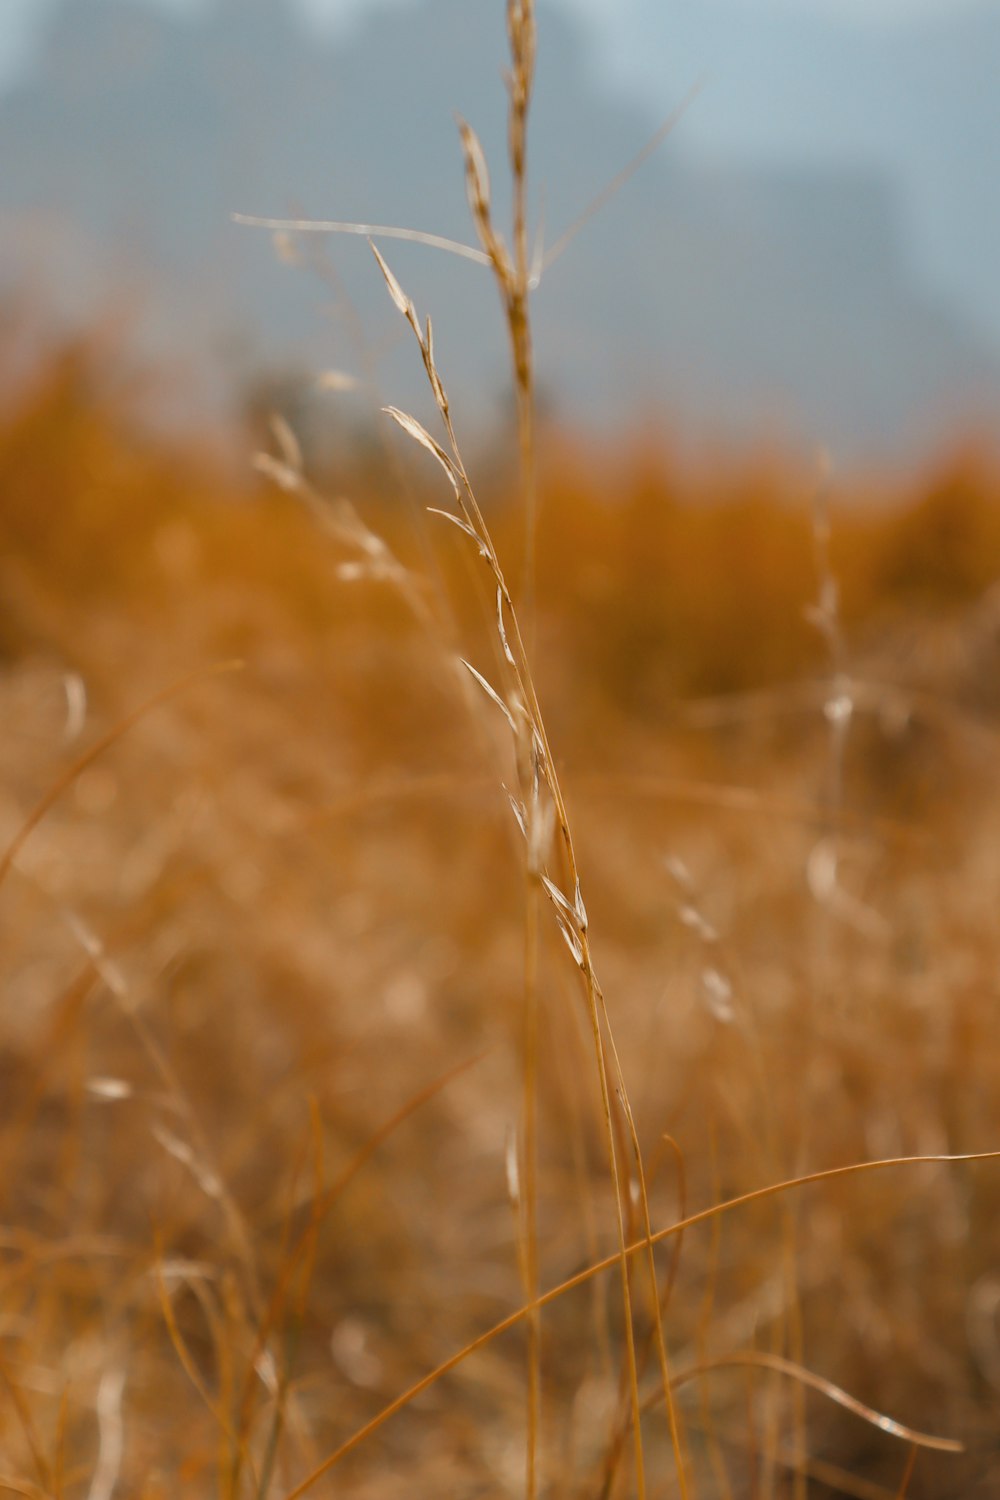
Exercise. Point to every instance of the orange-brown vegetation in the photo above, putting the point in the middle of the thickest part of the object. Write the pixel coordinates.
(264, 963)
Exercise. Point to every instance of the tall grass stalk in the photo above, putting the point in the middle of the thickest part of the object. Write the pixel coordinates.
(540, 807)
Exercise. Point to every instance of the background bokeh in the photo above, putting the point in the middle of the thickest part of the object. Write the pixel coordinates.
(263, 903)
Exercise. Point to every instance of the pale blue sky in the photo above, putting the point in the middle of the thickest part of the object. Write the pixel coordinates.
(21, 19)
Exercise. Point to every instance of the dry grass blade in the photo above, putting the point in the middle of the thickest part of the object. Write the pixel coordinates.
(607, 193)
(420, 435)
(462, 524)
(363, 1156)
(911, 1464)
(399, 297)
(828, 1388)
(28, 1427)
(189, 1366)
(291, 448)
(581, 1278)
(24, 1487)
(76, 706)
(111, 1428)
(491, 693)
(81, 764)
(477, 184)
(366, 231)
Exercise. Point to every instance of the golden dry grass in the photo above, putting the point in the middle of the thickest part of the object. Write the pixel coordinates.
(329, 1163)
(248, 939)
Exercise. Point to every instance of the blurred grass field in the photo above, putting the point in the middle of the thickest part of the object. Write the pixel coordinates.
(264, 959)
(328, 1169)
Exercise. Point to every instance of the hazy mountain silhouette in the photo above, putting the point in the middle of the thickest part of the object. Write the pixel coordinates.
(732, 296)
(920, 100)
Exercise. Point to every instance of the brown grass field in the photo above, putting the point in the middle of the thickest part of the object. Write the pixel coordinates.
(330, 1165)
